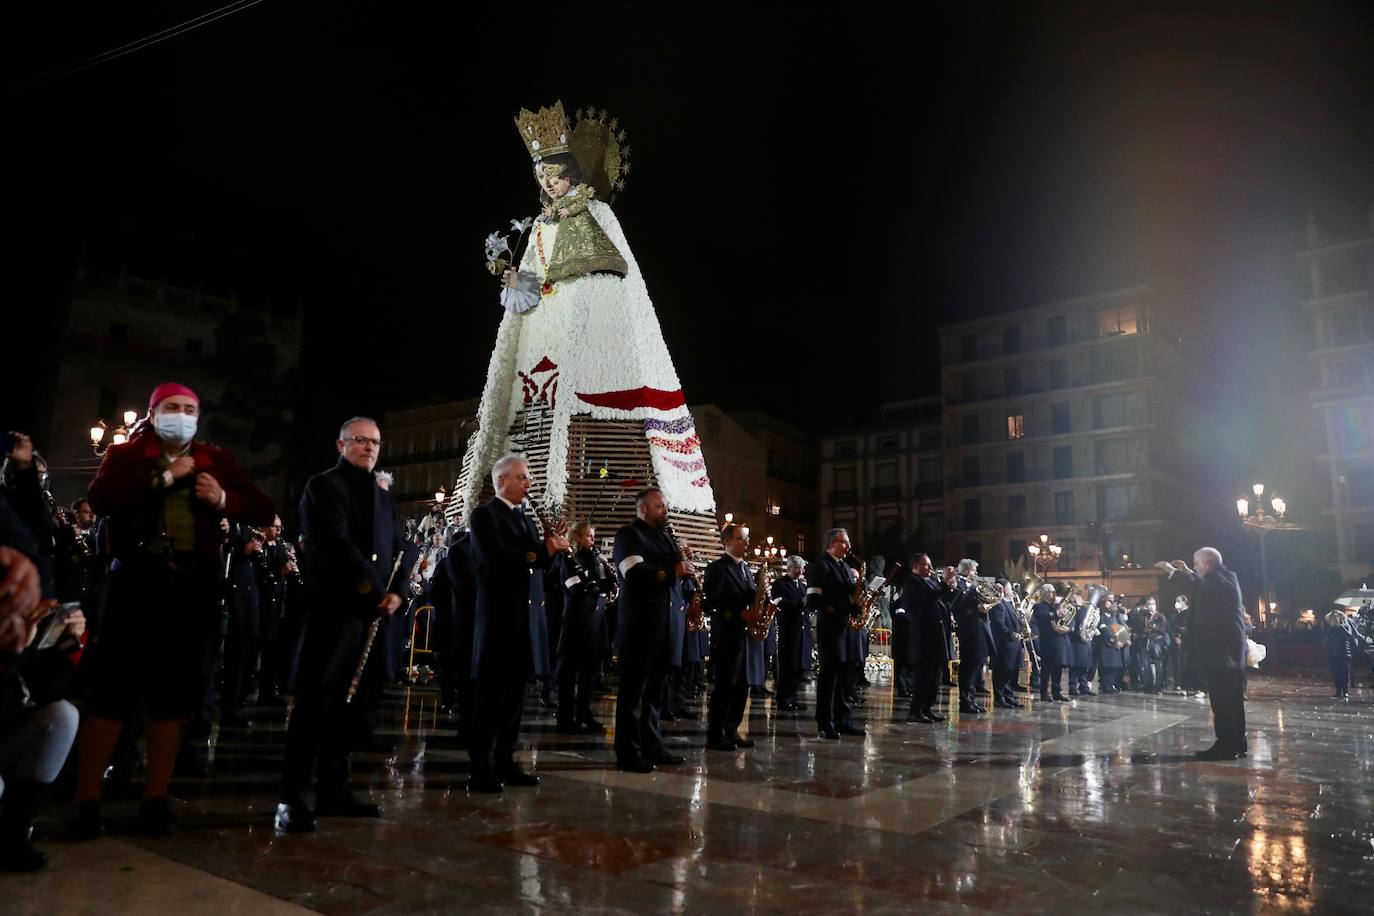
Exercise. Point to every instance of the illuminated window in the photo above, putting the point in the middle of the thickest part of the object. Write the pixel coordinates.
(1016, 425)
(1116, 320)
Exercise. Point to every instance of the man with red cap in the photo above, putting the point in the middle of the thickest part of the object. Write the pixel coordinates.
(164, 494)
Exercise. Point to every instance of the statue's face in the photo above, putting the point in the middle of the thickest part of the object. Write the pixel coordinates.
(551, 182)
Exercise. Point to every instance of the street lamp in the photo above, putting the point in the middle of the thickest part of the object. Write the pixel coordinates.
(119, 436)
(1261, 522)
(1044, 554)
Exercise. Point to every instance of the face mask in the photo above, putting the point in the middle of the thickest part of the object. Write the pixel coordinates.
(176, 428)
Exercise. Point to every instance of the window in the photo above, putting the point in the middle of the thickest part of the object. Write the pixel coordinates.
(1363, 537)
(846, 483)
(1109, 456)
(887, 443)
(1069, 555)
(194, 346)
(1063, 462)
(846, 449)
(1359, 484)
(119, 330)
(1344, 327)
(1016, 467)
(1343, 276)
(973, 514)
(1117, 410)
(973, 472)
(1059, 418)
(1112, 364)
(801, 544)
(1059, 373)
(1016, 425)
(1121, 551)
(973, 550)
(885, 484)
(1057, 329)
(1011, 340)
(1116, 320)
(968, 347)
(1011, 381)
(1016, 510)
(968, 387)
(1347, 372)
(932, 469)
(931, 439)
(1063, 511)
(1117, 502)
(969, 429)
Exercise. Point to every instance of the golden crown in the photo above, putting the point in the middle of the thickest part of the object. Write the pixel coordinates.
(545, 132)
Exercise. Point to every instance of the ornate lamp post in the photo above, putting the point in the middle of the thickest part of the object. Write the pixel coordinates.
(1044, 554)
(118, 437)
(1262, 523)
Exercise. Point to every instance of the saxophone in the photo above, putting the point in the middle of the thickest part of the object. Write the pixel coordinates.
(696, 617)
(861, 599)
(762, 609)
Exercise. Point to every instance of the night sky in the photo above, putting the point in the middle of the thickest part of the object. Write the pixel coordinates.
(812, 193)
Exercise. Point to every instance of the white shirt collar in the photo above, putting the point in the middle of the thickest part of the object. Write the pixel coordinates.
(506, 501)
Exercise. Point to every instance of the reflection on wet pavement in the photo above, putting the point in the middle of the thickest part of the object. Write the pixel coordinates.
(1096, 805)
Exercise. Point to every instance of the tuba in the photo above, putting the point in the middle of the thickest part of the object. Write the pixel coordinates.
(763, 609)
(1093, 618)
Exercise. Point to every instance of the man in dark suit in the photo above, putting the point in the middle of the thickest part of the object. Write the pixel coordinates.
(923, 602)
(354, 550)
(455, 606)
(650, 564)
(506, 549)
(1006, 648)
(794, 632)
(1217, 646)
(830, 594)
(975, 636)
(729, 586)
(1053, 640)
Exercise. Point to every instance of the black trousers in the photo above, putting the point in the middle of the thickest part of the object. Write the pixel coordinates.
(1004, 681)
(1051, 678)
(637, 708)
(789, 681)
(498, 704)
(576, 681)
(1080, 678)
(1226, 690)
(832, 706)
(1340, 673)
(903, 678)
(322, 731)
(925, 686)
(729, 696)
(970, 674)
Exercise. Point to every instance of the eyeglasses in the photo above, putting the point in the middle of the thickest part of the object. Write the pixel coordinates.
(364, 440)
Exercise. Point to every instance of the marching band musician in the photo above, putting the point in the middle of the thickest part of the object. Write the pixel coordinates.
(794, 632)
(1080, 653)
(729, 587)
(587, 579)
(923, 603)
(1053, 643)
(1111, 659)
(830, 594)
(1006, 648)
(975, 636)
(506, 651)
(353, 544)
(650, 565)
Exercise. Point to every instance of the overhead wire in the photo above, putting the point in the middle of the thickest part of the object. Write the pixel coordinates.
(138, 45)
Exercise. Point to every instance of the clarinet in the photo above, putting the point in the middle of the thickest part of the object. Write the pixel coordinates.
(571, 554)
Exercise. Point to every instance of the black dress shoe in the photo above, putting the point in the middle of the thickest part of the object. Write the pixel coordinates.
(1060, 698)
(970, 709)
(294, 817)
(345, 804)
(934, 716)
(666, 759)
(1088, 692)
(637, 765)
(18, 854)
(155, 817)
(852, 731)
(721, 744)
(739, 740)
(1044, 698)
(921, 717)
(86, 822)
(902, 695)
(829, 734)
(519, 778)
(1003, 704)
(487, 784)
(1217, 753)
(591, 725)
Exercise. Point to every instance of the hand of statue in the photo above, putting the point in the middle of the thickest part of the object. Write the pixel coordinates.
(182, 466)
(510, 279)
(548, 212)
(563, 212)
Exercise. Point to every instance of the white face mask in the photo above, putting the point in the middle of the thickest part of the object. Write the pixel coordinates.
(176, 428)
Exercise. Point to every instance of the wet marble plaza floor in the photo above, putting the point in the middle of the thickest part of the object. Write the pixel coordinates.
(1095, 806)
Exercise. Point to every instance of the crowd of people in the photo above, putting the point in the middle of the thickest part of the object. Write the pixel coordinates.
(168, 596)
